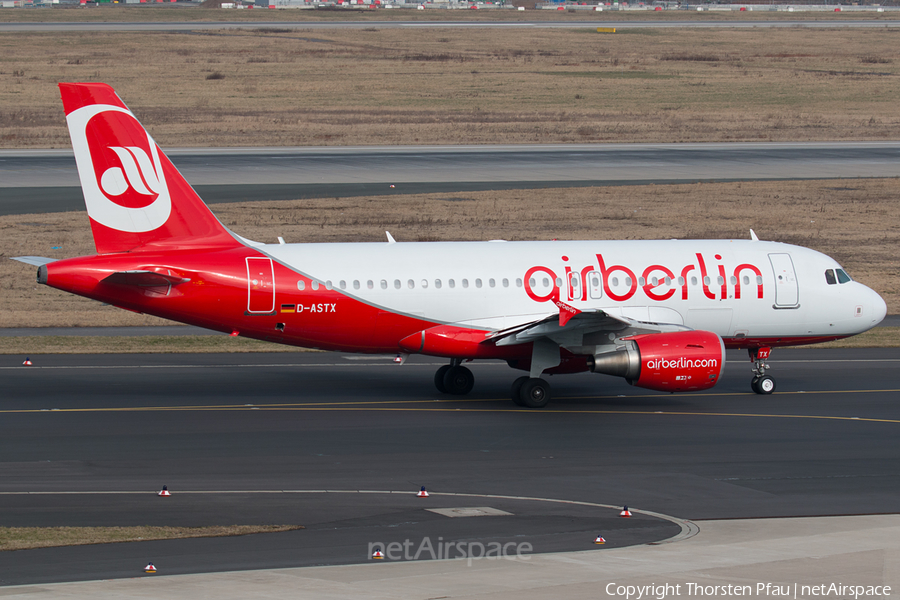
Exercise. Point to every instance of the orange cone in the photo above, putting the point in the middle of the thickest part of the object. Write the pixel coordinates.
(149, 568)
(164, 492)
(27, 362)
(378, 554)
(599, 540)
(625, 512)
(422, 493)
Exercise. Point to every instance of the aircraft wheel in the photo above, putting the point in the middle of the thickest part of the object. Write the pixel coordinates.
(458, 381)
(535, 393)
(516, 390)
(765, 385)
(439, 379)
(754, 385)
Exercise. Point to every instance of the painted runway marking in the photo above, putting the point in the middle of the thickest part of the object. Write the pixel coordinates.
(406, 406)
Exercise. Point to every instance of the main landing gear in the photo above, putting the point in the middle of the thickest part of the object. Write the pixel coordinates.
(530, 392)
(761, 383)
(454, 379)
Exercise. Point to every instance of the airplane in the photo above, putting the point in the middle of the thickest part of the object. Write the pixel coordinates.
(659, 314)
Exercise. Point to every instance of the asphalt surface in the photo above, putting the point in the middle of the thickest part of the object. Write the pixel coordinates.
(266, 435)
(876, 21)
(34, 181)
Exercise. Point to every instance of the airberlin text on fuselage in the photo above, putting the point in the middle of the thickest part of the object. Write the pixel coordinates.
(714, 280)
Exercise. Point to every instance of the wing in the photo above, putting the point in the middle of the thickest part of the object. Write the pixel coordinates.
(593, 327)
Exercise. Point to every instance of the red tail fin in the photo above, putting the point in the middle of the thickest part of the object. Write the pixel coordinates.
(135, 196)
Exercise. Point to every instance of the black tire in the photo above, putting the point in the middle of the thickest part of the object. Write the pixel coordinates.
(765, 385)
(535, 393)
(516, 389)
(459, 381)
(754, 385)
(439, 379)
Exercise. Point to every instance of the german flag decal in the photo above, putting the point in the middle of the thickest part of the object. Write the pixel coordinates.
(288, 308)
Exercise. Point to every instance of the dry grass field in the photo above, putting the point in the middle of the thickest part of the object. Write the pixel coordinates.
(22, 538)
(855, 221)
(271, 86)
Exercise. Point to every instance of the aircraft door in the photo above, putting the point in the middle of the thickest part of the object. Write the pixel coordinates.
(595, 285)
(260, 285)
(786, 288)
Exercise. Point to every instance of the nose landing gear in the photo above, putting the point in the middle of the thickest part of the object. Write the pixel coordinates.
(761, 383)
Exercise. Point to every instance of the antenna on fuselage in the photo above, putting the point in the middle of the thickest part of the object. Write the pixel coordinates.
(391, 239)
(753, 236)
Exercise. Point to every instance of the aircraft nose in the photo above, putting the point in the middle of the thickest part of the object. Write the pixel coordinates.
(879, 308)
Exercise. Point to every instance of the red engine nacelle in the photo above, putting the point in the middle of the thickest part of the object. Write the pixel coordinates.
(680, 361)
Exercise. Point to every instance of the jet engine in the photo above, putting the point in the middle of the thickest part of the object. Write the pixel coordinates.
(680, 361)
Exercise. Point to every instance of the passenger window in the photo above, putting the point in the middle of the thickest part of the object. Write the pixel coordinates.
(720, 280)
(478, 283)
(492, 283)
(465, 283)
(370, 284)
(693, 281)
(437, 283)
(759, 280)
(505, 282)
(532, 282)
(328, 285)
(829, 277)
(343, 284)
(301, 285)
(546, 282)
(384, 284)
(615, 282)
(519, 282)
(411, 284)
(452, 283)
(356, 284)
(842, 277)
(628, 282)
(396, 284)
(641, 281)
(668, 281)
(746, 280)
(424, 283)
(733, 280)
(315, 285)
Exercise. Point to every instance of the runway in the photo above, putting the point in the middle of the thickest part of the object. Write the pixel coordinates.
(47, 181)
(243, 439)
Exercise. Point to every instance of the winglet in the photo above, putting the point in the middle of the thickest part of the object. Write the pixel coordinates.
(391, 239)
(753, 236)
(566, 312)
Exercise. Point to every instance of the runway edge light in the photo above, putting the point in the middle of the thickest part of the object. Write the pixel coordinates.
(599, 540)
(625, 512)
(150, 568)
(164, 492)
(423, 493)
(378, 554)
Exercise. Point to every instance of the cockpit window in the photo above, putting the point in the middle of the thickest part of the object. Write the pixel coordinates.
(829, 277)
(842, 276)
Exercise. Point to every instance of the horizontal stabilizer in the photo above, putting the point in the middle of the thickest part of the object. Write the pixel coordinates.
(144, 278)
(37, 261)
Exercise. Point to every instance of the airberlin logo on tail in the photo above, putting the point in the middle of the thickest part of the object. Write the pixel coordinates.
(120, 169)
(136, 173)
